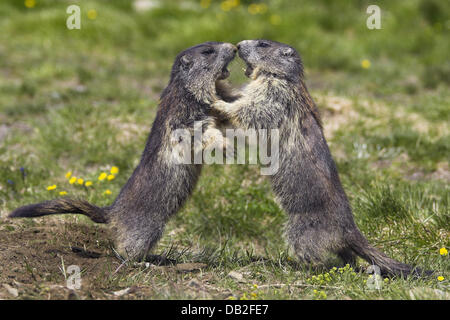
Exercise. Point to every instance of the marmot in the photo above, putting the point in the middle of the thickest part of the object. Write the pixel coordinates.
(158, 187)
(307, 184)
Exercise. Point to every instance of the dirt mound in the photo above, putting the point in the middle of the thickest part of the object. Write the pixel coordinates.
(34, 259)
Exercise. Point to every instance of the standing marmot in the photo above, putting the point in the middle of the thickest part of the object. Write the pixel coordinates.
(158, 186)
(307, 184)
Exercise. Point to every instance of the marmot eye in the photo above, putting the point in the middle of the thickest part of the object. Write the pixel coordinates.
(263, 45)
(208, 51)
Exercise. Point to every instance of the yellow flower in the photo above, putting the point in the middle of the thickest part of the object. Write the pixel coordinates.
(73, 180)
(108, 192)
(92, 14)
(255, 286)
(88, 183)
(440, 278)
(205, 3)
(262, 8)
(365, 64)
(68, 174)
(30, 3)
(80, 181)
(234, 3)
(63, 193)
(256, 8)
(102, 176)
(443, 252)
(114, 170)
(110, 177)
(275, 19)
(53, 187)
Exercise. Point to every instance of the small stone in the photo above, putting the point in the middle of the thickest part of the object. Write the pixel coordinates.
(121, 292)
(421, 293)
(189, 267)
(125, 291)
(194, 284)
(236, 276)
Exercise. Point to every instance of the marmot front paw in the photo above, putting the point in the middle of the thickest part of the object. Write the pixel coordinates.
(220, 105)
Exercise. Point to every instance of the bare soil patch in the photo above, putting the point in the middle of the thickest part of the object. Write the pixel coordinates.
(33, 259)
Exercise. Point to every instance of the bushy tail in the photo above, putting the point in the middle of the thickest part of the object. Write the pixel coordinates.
(60, 206)
(388, 266)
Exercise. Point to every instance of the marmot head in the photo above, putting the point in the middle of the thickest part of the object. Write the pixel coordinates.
(270, 57)
(198, 68)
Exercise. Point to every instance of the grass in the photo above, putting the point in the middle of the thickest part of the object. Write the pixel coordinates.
(84, 100)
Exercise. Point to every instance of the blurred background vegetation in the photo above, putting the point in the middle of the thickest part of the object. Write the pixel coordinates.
(83, 100)
(412, 46)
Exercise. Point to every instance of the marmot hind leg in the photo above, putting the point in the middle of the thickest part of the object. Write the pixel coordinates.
(307, 248)
(314, 243)
(135, 242)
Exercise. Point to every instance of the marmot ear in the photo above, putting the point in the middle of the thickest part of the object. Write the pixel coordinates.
(287, 52)
(186, 61)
